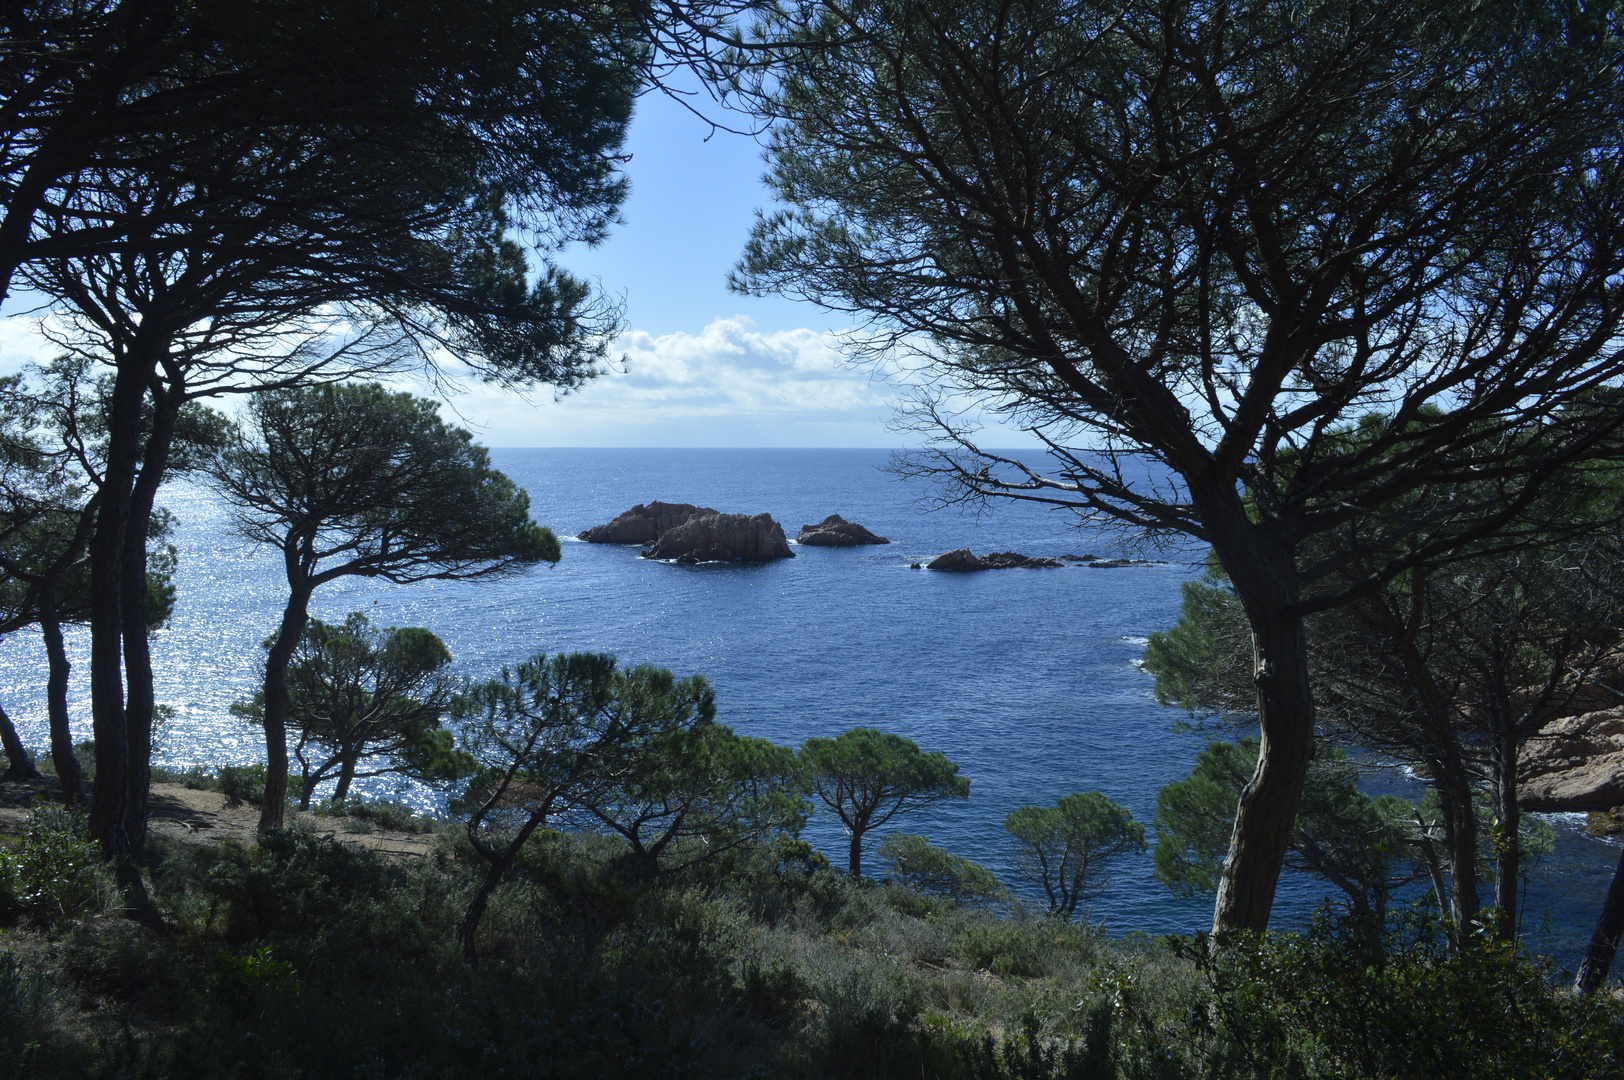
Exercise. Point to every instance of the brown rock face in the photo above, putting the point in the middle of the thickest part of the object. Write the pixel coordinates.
(962, 560)
(836, 531)
(1576, 763)
(713, 537)
(644, 524)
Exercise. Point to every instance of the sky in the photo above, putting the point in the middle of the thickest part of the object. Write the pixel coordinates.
(697, 365)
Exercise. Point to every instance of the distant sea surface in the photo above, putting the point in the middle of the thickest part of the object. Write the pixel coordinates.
(1027, 678)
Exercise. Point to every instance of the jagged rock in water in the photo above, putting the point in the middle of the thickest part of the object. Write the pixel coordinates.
(1112, 564)
(1574, 764)
(836, 531)
(644, 524)
(714, 537)
(962, 560)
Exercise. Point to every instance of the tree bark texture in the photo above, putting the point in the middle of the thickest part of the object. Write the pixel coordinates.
(1604, 942)
(854, 866)
(346, 776)
(19, 765)
(109, 803)
(1507, 842)
(139, 700)
(1263, 570)
(64, 759)
(294, 617)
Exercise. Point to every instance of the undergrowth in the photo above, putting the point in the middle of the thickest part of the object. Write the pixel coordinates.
(302, 957)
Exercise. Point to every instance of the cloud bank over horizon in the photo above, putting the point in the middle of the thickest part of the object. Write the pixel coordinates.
(729, 385)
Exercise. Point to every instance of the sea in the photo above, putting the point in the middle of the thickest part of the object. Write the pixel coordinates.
(1028, 679)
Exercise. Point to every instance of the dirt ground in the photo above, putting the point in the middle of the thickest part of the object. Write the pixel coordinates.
(207, 816)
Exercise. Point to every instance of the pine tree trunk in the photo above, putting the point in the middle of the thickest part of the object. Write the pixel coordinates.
(854, 865)
(346, 775)
(1268, 805)
(110, 798)
(1508, 846)
(500, 863)
(19, 765)
(1262, 567)
(1604, 942)
(139, 699)
(294, 617)
(1454, 787)
(68, 773)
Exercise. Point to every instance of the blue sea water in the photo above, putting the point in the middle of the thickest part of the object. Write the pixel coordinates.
(1027, 678)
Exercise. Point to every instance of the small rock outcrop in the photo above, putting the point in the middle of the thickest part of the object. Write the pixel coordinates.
(1094, 562)
(644, 524)
(1574, 764)
(962, 560)
(714, 537)
(836, 531)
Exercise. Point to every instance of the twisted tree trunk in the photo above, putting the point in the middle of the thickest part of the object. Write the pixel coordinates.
(109, 805)
(139, 700)
(1604, 941)
(68, 773)
(294, 618)
(20, 764)
(1263, 569)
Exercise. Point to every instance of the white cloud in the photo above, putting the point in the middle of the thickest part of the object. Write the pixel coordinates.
(728, 385)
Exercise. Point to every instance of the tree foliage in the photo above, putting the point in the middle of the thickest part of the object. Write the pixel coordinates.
(1363, 846)
(636, 750)
(222, 197)
(922, 866)
(366, 701)
(1066, 849)
(867, 777)
(1449, 669)
(355, 481)
(1190, 247)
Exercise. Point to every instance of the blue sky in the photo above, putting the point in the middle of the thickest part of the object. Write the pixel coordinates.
(703, 366)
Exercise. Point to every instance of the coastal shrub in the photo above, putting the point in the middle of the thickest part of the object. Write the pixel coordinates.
(22, 1017)
(293, 880)
(867, 1015)
(196, 778)
(915, 862)
(1024, 946)
(116, 960)
(58, 874)
(1320, 1005)
(386, 814)
(1026, 1054)
(243, 783)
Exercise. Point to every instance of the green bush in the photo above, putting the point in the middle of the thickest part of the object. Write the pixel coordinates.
(1026, 1054)
(243, 783)
(918, 864)
(1027, 947)
(57, 875)
(196, 778)
(1328, 1004)
(385, 814)
(294, 881)
(22, 1008)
